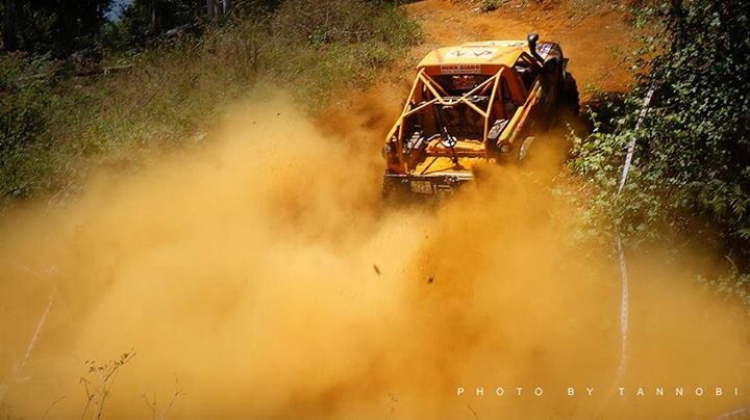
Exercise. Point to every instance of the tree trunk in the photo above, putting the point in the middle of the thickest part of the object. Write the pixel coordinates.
(211, 6)
(219, 11)
(155, 17)
(225, 6)
(10, 41)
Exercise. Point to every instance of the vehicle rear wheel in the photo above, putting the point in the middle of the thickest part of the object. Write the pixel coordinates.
(393, 192)
(389, 190)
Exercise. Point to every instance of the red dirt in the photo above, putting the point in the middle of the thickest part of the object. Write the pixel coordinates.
(595, 40)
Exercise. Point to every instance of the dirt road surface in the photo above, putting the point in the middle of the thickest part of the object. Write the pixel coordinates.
(595, 39)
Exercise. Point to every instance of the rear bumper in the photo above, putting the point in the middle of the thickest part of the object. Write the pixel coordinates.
(423, 186)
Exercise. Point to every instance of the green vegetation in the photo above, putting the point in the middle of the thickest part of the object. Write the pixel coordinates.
(61, 115)
(56, 124)
(490, 5)
(39, 26)
(691, 170)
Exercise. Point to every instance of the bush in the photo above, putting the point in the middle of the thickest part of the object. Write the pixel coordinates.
(490, 5)
(57, 130)
(690, 175)
(57, 27)
(25, 146)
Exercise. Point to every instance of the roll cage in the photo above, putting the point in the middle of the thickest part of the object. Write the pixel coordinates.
(501, 86)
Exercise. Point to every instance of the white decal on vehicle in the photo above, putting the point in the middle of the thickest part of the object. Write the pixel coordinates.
(473, 52)
(544, 50)
(461, 69)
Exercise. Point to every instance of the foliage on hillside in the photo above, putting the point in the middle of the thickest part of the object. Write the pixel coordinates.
(53, 130)
(691, 171)
(45, 26)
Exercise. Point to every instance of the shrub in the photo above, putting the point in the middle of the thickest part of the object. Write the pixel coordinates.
(25, 147)
(690, 175)
(58, 129)
(490, 5)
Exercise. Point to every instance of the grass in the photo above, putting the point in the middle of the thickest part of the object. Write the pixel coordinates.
(55, 130)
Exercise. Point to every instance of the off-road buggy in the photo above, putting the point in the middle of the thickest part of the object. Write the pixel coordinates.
(477, 102)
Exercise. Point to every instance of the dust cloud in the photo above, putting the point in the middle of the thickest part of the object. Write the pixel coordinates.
(261, 277)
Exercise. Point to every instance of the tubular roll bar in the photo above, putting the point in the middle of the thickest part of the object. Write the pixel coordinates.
(439, 93)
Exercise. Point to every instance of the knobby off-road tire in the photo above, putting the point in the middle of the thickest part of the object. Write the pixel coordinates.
(569, 98)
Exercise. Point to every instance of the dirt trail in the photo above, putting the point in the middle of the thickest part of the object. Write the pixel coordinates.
(595, 39)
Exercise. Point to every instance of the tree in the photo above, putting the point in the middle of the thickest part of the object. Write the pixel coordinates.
(691, 169)
(9, 29)
(146, 18)
(155, 16)
(211, 9)
(52, 26)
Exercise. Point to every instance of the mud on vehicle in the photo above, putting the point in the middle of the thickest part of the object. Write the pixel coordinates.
(477, 102)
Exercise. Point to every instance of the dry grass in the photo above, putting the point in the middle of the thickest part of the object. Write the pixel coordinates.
(175, 91)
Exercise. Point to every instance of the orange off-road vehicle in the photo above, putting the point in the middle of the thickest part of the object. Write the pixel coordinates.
(477, 102)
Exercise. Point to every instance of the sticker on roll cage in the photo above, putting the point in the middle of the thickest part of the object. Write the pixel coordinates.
(461, 69)
(544, 50)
